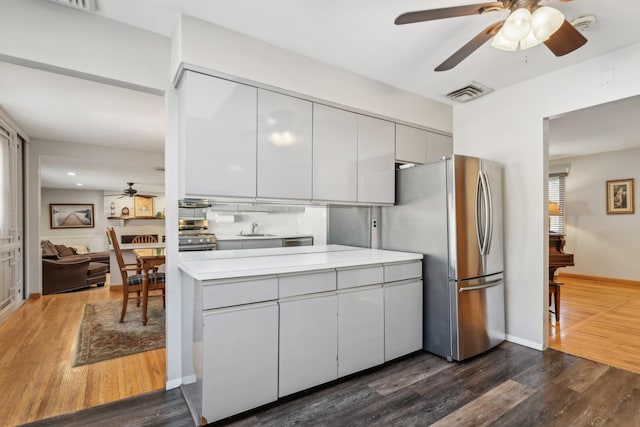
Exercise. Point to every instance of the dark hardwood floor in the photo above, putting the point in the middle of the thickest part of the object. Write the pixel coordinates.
(509, 386)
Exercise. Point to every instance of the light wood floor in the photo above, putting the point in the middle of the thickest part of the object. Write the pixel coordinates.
(599, 321)
(37, 348)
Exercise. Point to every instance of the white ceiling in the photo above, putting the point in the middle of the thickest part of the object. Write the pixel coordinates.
(358, 35)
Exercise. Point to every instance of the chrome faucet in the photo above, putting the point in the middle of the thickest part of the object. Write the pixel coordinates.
(254, 225)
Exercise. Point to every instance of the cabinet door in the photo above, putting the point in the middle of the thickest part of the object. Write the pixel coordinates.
(438, 146)
(335, 154)
(240, 359)
(360, 329)
(402, 319)
(284, 146)
(376, 160)
(411, 144)
(219, 130)
(261, 243)
(308, 342)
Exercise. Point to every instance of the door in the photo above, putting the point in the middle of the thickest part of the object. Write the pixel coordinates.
(11, 284)
(477, 316)
(402, 318)
(240, 359)
(475, 208)
(308, 342)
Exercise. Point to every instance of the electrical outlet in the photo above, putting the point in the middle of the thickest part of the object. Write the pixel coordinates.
(374, 223)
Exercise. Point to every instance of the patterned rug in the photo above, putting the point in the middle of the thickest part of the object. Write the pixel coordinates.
(103, 337)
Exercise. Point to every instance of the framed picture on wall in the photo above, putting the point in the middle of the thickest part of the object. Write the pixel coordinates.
(71, 215)
(620, 196)
(142, 207)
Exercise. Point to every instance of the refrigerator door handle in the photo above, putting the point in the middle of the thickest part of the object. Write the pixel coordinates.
(489, 284)
(488, 205)
(479, 237)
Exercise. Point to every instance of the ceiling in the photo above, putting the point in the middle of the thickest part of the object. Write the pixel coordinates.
(357, 35)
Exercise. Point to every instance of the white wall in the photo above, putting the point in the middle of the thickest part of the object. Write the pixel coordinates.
(603, 245)
(508, 126)
(93, 238)
(50, 36)
(219, 49)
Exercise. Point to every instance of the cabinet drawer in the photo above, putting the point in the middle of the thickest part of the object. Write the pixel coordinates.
(228, 293)
(403, 271)
(301, 284)
(362, 276)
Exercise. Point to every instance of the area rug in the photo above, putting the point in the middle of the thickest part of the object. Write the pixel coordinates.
(102, 336)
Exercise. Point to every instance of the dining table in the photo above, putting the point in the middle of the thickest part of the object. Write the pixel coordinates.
(148, 259)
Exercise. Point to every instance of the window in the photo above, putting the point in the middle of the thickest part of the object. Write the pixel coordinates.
(556, 194)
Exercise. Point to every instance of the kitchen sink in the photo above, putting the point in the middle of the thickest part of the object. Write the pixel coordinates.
(256, 235)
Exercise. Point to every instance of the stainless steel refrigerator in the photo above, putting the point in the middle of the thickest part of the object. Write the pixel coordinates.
(451, 211)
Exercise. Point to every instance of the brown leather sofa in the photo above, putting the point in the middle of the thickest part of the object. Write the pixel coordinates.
(64, 270)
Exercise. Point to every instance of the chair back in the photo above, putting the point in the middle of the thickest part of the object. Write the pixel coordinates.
(111, 234)
(144, 238)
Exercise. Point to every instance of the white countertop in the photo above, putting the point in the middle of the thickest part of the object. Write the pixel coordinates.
(218, 265)
(271, 236)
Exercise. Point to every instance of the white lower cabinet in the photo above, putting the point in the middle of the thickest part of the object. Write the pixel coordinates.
(240, 359)
(360, 329)
(308, 342)
(402, 318)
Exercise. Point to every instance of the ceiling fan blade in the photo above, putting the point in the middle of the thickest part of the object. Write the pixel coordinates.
(470, 47)
(146, 196)
(447, 12)
(565, 40)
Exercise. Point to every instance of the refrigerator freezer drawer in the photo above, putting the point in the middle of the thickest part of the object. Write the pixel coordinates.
(478, 314)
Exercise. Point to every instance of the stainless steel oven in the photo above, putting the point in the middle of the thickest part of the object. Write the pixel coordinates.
(193, 227)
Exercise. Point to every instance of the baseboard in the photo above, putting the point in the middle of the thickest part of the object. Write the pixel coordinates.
(35, 295)
(600, 279)
(115, 288)
(526, 343)
(174, 383)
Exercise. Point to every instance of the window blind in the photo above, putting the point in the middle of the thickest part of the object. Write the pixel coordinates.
(556, 194)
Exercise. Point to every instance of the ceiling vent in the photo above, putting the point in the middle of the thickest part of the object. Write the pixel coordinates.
(469, 92)
(86, 5)
(583, 22)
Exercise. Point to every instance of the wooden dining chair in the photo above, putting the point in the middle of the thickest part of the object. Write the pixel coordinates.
(144, 238)
(132, 283)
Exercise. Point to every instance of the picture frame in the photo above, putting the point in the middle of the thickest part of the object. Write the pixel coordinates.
(620, 196)
(71, 215)
(142, 207)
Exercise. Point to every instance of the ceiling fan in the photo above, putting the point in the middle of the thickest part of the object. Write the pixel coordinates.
(527, 25)
(130, 192)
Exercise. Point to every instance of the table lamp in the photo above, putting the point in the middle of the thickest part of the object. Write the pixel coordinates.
(554, 210)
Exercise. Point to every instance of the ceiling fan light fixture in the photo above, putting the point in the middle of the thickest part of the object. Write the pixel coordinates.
(530, 41)
(545, 21)
(517, 25)
(500, 42)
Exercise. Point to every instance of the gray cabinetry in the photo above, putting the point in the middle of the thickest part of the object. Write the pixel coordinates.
(376, 160)
(284, 146)
(415, 145)
(218, 120)
(335, 154)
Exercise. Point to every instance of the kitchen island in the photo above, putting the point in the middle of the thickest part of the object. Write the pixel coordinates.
(267, 323)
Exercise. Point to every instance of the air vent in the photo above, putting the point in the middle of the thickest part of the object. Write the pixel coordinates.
(469, 92)
(86, 5)
(583, 22)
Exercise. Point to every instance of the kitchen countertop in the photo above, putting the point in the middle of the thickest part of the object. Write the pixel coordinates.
(210, 266)
(271, 236)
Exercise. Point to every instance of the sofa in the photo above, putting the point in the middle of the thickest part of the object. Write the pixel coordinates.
(65, 268)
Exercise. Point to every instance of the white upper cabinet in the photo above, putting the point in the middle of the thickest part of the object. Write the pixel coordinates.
(420, 146)
(219, 131)
(376, 161)
(438, 146)
(284, 146)
(335, 154)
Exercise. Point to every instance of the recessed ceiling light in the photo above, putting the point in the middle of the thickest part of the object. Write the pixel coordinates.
(71, 173)
(79, 184)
